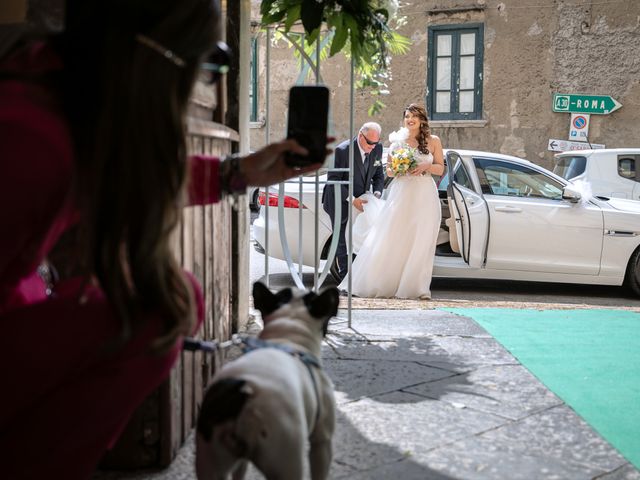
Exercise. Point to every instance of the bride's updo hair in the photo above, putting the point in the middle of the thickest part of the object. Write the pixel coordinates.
(425, 132)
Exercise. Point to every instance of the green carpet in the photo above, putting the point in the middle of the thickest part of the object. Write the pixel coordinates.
(588, 358)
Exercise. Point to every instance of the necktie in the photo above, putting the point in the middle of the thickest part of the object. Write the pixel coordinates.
(366, 162)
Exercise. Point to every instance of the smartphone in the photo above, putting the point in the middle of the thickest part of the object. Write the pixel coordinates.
(307, 123)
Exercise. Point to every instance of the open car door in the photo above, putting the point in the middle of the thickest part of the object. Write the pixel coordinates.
(469, 210)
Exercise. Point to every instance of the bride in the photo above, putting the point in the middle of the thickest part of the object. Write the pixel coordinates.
(396, 256)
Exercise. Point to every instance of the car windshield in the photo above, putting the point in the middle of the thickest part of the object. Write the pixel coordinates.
(571, 166)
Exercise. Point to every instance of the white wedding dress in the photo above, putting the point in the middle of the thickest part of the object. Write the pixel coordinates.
(395, 258)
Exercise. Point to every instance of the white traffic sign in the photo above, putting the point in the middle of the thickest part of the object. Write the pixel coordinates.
(556, 145)
(579, 127)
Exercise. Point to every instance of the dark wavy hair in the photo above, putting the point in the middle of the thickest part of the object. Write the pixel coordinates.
(425, 131)
(127, 104)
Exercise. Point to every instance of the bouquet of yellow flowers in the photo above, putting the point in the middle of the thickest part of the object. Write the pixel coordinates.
(402, 160)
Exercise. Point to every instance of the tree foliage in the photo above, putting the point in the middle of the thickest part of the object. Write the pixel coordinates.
(359, 28)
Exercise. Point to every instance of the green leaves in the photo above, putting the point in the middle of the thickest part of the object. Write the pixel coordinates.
(341, 33)
(292, 17)
(399, 45)
(360, 26)
(311, 15)
(375, 108)
(360, 29)
(270, 12)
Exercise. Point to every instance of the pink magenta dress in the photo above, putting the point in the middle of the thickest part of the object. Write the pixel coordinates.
(66, 396)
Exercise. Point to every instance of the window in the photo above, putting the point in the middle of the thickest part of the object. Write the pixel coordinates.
(570, 167)
(510, 179)
(253, 73)
(460, 175)
(627, 166)
(454, 76)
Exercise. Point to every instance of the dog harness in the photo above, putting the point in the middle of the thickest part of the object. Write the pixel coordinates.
(249, 344)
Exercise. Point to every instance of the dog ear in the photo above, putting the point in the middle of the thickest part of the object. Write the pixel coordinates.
(323, 305)
(268, 302)
(265, 301)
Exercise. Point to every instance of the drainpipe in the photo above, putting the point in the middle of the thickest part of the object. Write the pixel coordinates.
(237, 118)
(244, 52)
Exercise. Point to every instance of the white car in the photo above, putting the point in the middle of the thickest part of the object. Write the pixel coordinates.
(295, 213)
(507, 218)
(611, 172)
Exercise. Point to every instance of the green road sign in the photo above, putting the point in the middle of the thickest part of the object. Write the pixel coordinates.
(598, 104)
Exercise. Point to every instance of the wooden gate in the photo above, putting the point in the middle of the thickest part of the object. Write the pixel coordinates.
(204, 246)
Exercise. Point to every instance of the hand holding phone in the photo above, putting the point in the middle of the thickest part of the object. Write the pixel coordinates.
(307, 123)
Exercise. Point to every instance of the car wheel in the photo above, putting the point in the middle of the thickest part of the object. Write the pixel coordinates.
(633, 272)
(254, 206)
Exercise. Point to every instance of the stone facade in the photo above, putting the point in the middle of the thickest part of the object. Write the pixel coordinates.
(531, 51)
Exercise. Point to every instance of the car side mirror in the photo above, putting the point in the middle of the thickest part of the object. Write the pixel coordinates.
(571, 194)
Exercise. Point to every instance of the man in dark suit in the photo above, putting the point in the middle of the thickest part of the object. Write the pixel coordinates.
(367, 172)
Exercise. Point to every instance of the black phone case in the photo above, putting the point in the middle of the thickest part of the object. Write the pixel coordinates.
(307, 123)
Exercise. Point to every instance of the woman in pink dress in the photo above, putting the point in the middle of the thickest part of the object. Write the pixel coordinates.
(92, 139)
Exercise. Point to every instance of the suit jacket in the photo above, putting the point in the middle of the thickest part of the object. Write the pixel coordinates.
(362, 180)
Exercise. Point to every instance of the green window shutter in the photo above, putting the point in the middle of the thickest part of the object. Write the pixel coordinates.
(454, 72)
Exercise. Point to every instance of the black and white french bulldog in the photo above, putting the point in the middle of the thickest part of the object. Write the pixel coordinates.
(266, 405)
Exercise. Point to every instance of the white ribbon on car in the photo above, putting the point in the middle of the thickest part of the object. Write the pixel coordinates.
(584, 188)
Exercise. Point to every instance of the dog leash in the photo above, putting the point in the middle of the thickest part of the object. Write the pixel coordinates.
(248, 344)
(254, 343)
(191, 344)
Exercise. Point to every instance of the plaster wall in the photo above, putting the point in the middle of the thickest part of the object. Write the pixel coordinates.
(531, 51)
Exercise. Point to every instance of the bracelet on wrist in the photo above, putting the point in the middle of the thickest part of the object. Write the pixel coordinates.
(232, 181)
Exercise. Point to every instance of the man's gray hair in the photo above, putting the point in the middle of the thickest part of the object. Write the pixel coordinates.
(371, 126)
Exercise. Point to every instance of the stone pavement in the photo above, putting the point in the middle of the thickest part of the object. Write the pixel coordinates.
(426, 394)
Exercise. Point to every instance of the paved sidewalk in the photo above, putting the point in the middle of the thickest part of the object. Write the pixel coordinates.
(431, 395)
(426, 394)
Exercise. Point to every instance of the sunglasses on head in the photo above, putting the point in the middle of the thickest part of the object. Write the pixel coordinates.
(369, 142)
(217, 63)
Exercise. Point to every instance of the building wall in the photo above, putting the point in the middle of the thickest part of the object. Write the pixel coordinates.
(530, 53)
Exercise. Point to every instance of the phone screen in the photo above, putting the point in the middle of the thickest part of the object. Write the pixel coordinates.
(307, 123)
